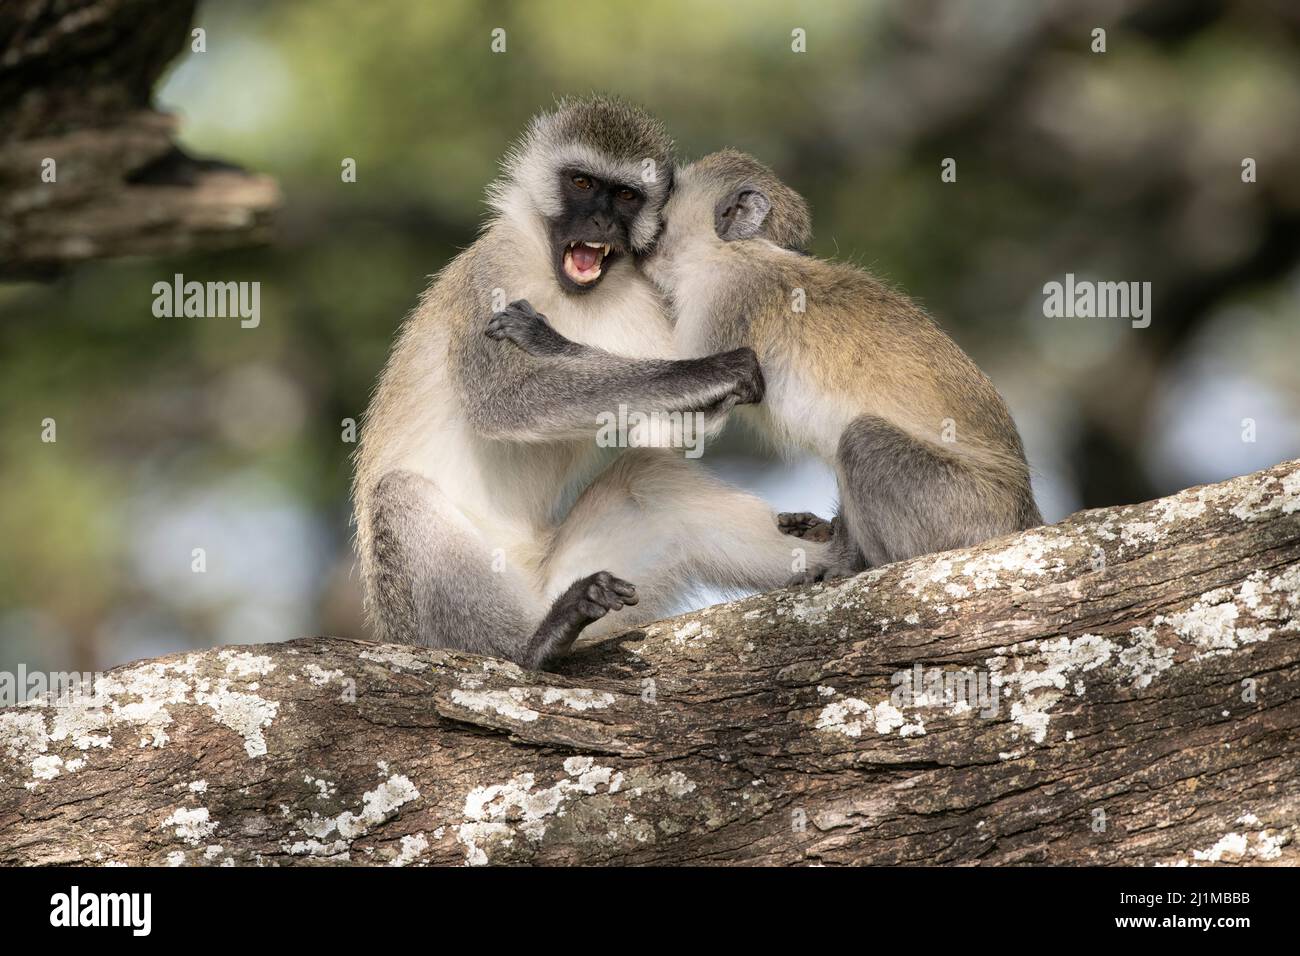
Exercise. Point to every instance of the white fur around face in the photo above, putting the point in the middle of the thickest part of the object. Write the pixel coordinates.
(532, 176)
(624, 314)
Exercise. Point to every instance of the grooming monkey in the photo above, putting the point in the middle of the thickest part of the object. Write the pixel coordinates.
(471, 449)
(926, 454)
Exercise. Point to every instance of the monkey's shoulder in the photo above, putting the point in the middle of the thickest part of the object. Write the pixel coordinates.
(818, 291)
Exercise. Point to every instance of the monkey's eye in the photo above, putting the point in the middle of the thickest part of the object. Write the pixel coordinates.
(582, 182)
(627, 195)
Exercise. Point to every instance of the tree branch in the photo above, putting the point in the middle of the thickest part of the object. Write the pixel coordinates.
(75, 82)
(1147, 712)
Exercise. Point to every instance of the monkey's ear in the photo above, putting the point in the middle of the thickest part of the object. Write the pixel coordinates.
(741, 215)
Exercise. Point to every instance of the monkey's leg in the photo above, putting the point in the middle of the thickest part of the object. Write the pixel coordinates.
(901, 497)
(433, 580)
(672, 527)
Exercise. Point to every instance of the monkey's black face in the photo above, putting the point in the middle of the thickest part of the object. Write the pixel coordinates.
(594, 228)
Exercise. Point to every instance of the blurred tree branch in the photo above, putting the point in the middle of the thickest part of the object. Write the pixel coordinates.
(75, 85)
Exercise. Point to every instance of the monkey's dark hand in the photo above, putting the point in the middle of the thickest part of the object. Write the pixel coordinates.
(527, 328)
(741, 365)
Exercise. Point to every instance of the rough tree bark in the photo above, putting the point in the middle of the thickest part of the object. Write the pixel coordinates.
(1147, 711)
(75, 83)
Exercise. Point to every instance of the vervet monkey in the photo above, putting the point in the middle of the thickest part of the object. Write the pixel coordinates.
(926, 454)
(471, 450)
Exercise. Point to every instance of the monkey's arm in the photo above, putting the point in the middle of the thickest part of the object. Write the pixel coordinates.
(559, 390)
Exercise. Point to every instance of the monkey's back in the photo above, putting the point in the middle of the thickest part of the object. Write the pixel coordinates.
(875, 349)
(861, 350)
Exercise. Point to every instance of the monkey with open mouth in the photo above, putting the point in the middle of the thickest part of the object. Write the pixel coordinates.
(471, 449)
(925, 452)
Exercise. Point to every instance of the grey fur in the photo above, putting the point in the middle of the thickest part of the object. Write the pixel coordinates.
(412, 602)
(562, 397)
(901, 497)
(472, 448)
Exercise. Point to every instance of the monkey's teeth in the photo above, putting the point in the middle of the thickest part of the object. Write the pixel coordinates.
(592, 272)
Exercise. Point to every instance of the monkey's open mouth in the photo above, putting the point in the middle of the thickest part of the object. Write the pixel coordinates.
(584, 261)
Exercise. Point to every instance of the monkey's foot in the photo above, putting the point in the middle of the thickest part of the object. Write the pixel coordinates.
(586, 600)
(597, 594)
(806, 525)
(823, 572)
